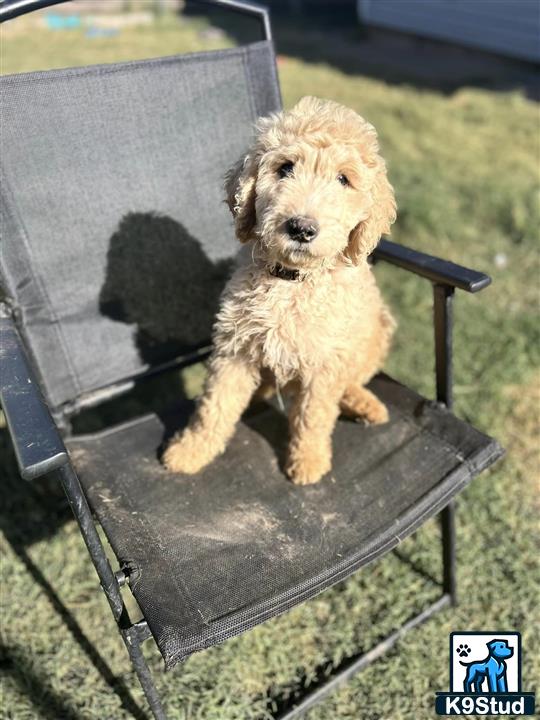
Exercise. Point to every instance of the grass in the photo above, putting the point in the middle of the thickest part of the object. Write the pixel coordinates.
(465, 167)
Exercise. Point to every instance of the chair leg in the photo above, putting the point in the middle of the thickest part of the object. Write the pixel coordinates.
(133, 645)
(110, 585)
(448, 531)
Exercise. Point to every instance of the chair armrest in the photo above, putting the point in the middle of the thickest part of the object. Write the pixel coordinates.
(37, 442)
(441, 272)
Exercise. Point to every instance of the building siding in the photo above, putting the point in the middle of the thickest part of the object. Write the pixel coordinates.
(508, 27)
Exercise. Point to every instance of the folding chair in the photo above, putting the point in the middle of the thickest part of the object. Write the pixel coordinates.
(116, 246)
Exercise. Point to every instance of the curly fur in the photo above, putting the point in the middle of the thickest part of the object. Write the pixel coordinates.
(324, 337)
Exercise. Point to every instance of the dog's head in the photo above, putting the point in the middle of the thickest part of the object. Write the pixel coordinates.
(499, 649)
(313, 188)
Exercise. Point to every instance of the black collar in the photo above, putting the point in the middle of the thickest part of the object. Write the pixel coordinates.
(285, 273)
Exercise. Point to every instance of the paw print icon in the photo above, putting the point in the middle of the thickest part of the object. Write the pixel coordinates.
(463, 650)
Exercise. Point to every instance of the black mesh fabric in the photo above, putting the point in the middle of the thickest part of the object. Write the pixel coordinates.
(222, 551)
(112, 207)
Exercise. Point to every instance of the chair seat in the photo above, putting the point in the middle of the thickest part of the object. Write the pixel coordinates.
(214, 554)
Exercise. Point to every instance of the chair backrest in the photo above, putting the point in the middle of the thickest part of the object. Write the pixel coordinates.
(116, 239)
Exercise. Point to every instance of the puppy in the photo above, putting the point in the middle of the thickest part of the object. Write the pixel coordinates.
(302, 311)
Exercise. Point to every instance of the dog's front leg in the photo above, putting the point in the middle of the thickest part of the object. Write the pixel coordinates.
(312, 420)
(229, 387)
(493, 680)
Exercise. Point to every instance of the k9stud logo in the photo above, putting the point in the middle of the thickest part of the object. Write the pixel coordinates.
(485, 676)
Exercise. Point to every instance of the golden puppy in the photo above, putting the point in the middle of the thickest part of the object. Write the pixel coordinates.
(302, 311)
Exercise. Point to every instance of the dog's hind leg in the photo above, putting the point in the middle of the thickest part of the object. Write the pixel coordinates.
(360, 403)
(478, 684)
(230, 385)
(470, 679)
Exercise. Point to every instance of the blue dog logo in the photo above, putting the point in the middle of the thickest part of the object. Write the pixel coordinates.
(492, 669)
(491, 686)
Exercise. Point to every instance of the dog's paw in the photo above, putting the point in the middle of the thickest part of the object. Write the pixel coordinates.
(362, 406)
(376, 413)
(307, 470)
(187, 454)
(463, 650)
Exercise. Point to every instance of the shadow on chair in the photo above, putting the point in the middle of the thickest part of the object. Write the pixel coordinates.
(272, 425)
(159, 279)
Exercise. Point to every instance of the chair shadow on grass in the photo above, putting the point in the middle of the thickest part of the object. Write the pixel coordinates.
(45, 699)
(33, 512)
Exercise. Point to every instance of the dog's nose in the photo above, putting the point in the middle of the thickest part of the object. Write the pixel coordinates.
(302, 229)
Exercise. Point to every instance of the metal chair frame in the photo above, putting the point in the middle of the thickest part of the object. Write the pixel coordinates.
(28, 414)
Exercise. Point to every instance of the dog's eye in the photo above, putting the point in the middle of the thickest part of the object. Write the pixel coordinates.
(343, 179)
(286, 170)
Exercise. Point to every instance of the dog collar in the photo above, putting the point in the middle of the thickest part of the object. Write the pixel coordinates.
(285, 273)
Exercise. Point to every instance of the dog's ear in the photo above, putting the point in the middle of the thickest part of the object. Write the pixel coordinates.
(240, 195)
(365, 236)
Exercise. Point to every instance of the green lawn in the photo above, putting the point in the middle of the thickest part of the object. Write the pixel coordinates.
(465, 168)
